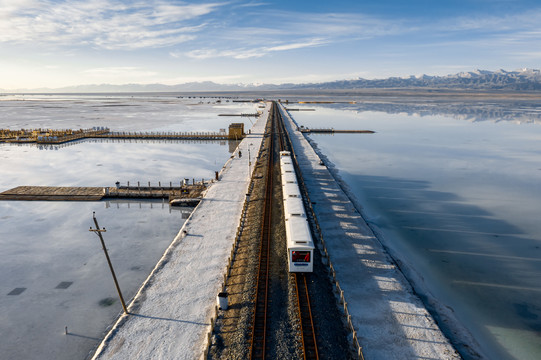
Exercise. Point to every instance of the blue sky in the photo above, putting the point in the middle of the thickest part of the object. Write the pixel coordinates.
(48, 43)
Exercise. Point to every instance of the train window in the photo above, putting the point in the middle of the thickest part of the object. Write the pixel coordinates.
(300, 256)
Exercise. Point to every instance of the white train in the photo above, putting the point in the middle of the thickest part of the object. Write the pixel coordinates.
(300, 246)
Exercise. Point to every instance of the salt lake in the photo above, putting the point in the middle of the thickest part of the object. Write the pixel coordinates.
(54, 273)
(453, 190)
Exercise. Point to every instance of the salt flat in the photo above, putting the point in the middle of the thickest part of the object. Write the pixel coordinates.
(391, 322)
(170, 316)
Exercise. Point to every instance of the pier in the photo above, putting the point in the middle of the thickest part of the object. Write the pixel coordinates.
(56, 137)
(49, 136)
(244, 115)
(184, 194)
(375, 298)
(334, 131)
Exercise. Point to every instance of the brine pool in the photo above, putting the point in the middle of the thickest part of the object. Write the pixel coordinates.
(456, 199)
(53, 273)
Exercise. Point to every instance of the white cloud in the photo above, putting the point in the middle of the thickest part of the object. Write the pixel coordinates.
(298, 45)
(493, 23)
(253, 4)
(101, 23)
(244, 53)
(338, 25)
(286, 31)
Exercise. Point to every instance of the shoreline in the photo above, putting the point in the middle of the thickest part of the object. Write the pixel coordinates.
(452, 328)
(171, 315)
(437, 93)
(384, 308)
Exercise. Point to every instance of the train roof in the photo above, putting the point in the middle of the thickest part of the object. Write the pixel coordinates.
(287, 167)
(290, 189)
(285, 160)
(298, 233)
(293, 207)
(289, 178)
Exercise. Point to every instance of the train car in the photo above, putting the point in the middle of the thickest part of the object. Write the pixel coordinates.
(293, 206)
(300, 245)
(289, 178)
(287, 168)
(290, 190)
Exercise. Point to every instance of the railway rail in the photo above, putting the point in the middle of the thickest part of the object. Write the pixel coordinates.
(259, 327)
(260, 320)
(309, 342)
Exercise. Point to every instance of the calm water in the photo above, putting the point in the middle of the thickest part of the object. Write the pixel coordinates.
(47, 252)
(454, 191)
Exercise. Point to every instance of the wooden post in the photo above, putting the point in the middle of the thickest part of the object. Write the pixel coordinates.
(98, 232)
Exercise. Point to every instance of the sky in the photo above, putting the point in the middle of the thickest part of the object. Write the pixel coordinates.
(57, 43)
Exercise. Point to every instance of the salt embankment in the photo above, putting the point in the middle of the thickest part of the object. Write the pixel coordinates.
(390, 320)
(170, 315)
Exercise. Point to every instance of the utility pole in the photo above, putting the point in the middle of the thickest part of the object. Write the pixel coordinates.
(98, 232)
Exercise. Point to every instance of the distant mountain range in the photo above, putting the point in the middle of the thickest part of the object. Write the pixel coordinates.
(519, 80)
(524, 79)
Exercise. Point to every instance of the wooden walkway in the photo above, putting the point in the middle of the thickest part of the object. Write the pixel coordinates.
(64, 136)
(334, 131)
(63, 193)
(245, 115)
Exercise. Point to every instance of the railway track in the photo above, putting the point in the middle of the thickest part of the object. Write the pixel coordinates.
(259, 327)
(258, 344)
(309, 342)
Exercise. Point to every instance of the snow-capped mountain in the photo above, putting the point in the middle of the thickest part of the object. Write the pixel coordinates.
(518, 80)
(523, 79)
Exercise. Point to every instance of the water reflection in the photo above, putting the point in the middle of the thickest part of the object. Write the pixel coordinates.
(46, 245)
(522, 112)
(140, 204)
(231, 144)
(136, 112)
(458, 204)
(48, 250)
(104, 163)
(480, 266)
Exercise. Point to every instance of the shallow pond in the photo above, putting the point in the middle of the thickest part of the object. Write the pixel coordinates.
(54, 274)
(454, 190)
